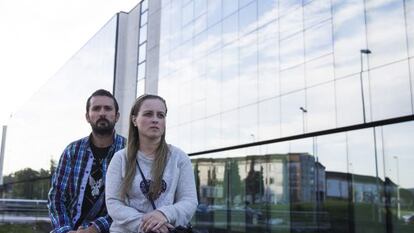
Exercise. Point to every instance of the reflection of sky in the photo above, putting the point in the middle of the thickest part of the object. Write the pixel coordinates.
(55, 115)
(257, 56)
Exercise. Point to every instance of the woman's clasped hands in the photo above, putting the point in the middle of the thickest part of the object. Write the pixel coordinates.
(155, 221)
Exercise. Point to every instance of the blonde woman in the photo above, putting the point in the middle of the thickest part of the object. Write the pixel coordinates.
(149, 169)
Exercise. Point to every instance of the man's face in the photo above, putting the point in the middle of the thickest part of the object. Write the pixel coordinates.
(101, 115)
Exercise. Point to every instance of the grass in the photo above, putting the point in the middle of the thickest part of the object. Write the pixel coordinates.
(25, 228)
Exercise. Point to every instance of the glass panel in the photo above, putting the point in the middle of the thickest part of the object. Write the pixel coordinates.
(144, 18)
(248, 18)
(229, 128)
(183, 131)
(143, 34)
(409, 12)
(214, 12)
(200, 24)
(349, 36)
(268, 61)
(142, 52)
(320, 115)
(213, 137)
(248, 124)
(291, 23)
(398, 158)
(197, 131)
(291, 51)
(248, 70)
(286, 6)
(349, 101)
(317, 11)
(291, 115)
(334, 194)
(319, 70)
(230, 77)
(292, 79)
(140, 87)
(366, 184)
(144, 5)
(200, 7)
(229, 7)
(230, 29)
(214, 37)
(386, 45)
(213, 82)
(318, 41)
(269, 119)
(390, 91)
(200, 43)
(267, 11)
(243, 3)
(141, 71)
(188, 13)
(187, 32)
(412, 80)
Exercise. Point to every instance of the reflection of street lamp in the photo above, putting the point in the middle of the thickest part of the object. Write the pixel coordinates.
(303, 118)
(363, 51)
(398, 187)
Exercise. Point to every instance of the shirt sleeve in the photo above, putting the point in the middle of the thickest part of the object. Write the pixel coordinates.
(58, 199)
(103, 223)
(122, 214)
(181, 212)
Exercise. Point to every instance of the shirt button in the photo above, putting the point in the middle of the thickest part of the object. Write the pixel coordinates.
(82, 187)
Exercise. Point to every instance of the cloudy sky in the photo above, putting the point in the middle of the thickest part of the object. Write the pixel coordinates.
(38, 37)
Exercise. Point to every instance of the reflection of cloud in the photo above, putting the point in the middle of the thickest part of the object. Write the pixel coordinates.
(54, 116)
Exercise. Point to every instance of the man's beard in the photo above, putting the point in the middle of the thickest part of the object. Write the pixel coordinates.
(103, 129)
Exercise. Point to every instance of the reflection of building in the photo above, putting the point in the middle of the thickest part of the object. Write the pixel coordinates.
(265, 78)
(275, 178)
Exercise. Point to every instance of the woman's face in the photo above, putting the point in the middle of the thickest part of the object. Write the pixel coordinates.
(150, 119)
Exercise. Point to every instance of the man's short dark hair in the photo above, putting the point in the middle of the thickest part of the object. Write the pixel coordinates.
(101, 92)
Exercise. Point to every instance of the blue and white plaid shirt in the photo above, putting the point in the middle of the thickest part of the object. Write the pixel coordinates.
(69, 184)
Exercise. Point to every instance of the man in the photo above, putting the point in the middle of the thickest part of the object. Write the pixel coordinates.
(76, 198)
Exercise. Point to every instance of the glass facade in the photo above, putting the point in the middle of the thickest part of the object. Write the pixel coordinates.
(305, 105)
(55, 115)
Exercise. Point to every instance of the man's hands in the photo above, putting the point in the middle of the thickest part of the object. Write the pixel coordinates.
(90, 229)
(155, 221)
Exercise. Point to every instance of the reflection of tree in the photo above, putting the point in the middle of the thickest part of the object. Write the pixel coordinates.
(232, 176)
(254, 182)
(28, 183)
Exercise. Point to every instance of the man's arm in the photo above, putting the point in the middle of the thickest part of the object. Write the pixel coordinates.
(58, 195)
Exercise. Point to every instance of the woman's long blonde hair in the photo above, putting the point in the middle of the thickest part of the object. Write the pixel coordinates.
(133, 143)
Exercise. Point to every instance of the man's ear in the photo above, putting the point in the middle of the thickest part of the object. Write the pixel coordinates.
(117, 117)
(87, 117)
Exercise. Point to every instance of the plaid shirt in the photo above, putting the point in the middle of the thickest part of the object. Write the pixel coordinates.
(69, 184)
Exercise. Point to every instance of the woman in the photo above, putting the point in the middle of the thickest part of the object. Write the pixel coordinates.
(166, 169)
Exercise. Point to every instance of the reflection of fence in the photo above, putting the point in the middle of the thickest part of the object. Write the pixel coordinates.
(23, 211)
(34, 188)
(218, 218)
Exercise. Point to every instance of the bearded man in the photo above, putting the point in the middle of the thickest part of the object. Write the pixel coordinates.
(76, 197)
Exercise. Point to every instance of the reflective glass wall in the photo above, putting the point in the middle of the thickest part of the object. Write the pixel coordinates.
(55, 115)
(236, 72)
(353, 181)
(240, 71)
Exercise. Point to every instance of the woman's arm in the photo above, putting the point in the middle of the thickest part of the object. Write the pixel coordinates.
(185, 203)
(121, 214)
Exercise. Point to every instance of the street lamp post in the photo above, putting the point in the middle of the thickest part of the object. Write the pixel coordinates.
(363, 51)
(303, 118)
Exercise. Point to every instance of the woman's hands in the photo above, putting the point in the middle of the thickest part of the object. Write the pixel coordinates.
(155, 221)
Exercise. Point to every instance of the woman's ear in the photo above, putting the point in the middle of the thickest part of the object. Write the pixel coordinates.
(133, 118)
